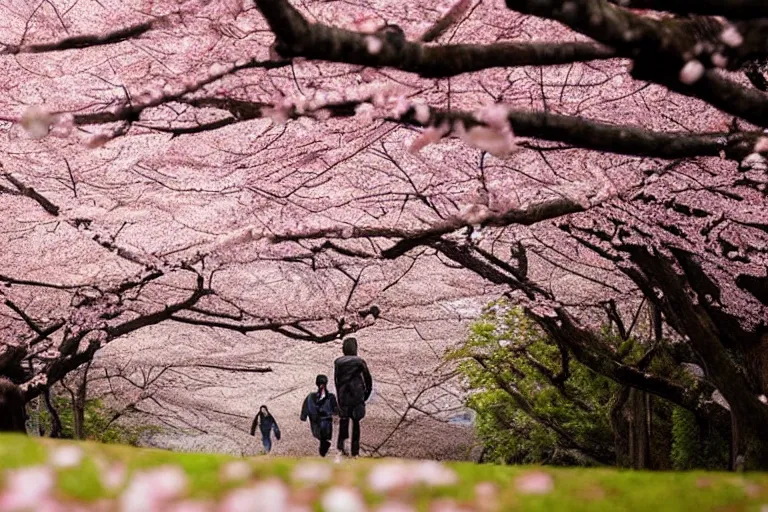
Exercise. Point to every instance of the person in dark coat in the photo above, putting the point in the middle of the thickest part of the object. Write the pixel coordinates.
(267, 424)
(319, 407)
(353, 386)
(12, 413)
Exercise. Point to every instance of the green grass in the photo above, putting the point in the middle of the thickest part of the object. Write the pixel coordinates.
(574, 489)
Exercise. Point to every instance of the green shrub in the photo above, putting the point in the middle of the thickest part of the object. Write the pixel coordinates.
(696, 445)
(98, 424)
(524, 414)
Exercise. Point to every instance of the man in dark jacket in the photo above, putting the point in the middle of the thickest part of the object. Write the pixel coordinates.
(354, 386)
(267, 424)
(320, 407)
(12, 414)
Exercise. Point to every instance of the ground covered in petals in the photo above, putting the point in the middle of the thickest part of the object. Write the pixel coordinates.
(47, 475)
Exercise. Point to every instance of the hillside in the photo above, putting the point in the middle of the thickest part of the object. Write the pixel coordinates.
(49, 475)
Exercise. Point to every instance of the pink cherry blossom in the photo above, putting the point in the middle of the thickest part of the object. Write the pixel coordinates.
(66, 456)
(692, 72)
(720, 60)
(421, 113)
(36, 120)
(387, 476)
(535, 482)
(26, 488)
(312, 472)
(498, 142)
(731, 36)
(113, 476)
(236, 470)
(761, 146)
(373, 44)
(431, 135)
(402, 105)
(252, 499)
(434, 474)
(149, 491)
(342, 499)
(495, 116)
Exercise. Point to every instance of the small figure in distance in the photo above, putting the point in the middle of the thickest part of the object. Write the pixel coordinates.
(267, 424)
(319, 407)
(12, 413)
(354, 386)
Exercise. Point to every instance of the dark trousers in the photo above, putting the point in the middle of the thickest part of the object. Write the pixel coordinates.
(344, 435)
(266, 441)
(325, 445)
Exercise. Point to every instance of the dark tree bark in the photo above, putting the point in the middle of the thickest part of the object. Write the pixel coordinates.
(12, 415)
(639, 439)
(620, 427)
(733, 358)
(55, 419)
(79, 394)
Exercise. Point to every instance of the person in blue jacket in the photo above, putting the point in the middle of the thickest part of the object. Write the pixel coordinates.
(320, 407)
(267, 424)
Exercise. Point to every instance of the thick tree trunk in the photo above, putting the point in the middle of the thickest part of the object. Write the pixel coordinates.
(639, 441)
(750, 439)
(55, 420)
(749, 446)
(620, 427)
(78, 417)
(34, 417)
(756, 362)
(709, 332)
(79, 396)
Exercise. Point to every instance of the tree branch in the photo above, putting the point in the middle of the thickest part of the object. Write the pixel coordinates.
(660, 49)
(31, 193)
(84, 41)
(297, 37)
(733, 9)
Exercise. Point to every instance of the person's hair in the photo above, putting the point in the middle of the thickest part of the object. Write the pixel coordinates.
(349, 347)
(321, 380)
(265, 409)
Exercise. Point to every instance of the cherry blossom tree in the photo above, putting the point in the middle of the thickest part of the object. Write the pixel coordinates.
(275, 167)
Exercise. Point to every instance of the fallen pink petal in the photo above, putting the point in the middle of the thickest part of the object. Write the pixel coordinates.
(66, 456)
(536, 482)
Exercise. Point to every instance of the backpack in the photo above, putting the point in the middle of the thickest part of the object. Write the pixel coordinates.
(352, 391)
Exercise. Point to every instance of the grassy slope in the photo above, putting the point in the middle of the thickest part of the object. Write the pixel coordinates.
(574, 489)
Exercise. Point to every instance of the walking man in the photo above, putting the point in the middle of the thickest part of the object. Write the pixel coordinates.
(266, 424)
(320, 407)
(353, 385)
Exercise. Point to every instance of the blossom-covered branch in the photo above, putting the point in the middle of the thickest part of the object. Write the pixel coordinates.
(612, 138)
(733, 9)
(85, 40)
(299, 38)
(24, 190)
(470, 216)
(674, 53)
